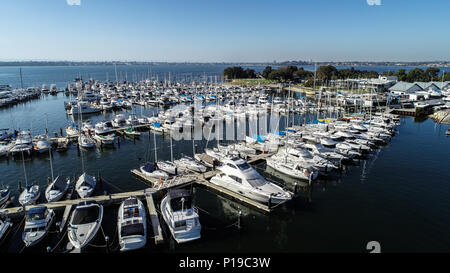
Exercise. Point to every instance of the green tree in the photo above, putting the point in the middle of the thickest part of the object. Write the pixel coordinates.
(432, 73)
(416, 75)
(401, 74)
(325, 73)
(266, 72)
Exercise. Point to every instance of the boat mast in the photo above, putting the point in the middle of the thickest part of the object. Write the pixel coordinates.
(49, 149)
(24, 170)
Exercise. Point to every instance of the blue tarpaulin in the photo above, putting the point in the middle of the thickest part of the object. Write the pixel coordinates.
(259, 138)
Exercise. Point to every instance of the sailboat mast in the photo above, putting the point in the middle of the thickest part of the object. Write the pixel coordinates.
(24, 170)
(154, 143)
(49, 150)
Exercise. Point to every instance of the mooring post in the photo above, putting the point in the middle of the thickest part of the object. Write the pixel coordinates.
(60, 132)
(239, 219)
(78, 148)
(270, 202)
(20, 186)
(107, 245)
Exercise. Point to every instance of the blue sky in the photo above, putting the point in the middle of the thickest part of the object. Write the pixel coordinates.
(225, 31)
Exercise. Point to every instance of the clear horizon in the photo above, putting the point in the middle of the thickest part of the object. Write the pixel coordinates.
(202, 31)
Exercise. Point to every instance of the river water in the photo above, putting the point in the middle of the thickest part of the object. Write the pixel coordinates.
(398, 196)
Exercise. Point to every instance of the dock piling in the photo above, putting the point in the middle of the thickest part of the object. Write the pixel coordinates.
(20, 186)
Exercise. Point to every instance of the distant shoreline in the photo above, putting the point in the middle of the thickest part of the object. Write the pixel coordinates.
(296, 63)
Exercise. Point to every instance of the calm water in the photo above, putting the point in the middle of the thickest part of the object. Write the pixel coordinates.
(399, 196)
(61, 75)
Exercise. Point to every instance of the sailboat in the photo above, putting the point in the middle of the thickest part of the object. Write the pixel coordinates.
(168, 166)
(59, 186)
(86, 183)
(31, 193)
(151, 169)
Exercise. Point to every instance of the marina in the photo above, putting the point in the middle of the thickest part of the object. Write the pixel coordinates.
(311, 146)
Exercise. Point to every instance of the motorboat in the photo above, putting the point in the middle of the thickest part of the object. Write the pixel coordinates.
(57, 189)
(41, 144)
(102, 128)
(85, 185)
(29, 195)
(238, 176)
(5, 225)
(119, 121)
(132, 224)
(131, 132)
(4, 195)
(84, 108)
(38, 221)
(105, 139)
(72, 130)
(150, 169)
(86, 141)
(299, 169)
(181, 216)
(84, 223)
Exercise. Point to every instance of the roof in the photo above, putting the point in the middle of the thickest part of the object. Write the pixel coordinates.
(441, 85)
(425, 85)
(403, 86)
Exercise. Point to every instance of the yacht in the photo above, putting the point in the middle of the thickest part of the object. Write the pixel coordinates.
(57, 189)
(85, 185)
(132, 224)
(181, 216)
(29, 195)
(84, 108)
(150, 169)
(238, 176)
(84, 223)
(38, 221)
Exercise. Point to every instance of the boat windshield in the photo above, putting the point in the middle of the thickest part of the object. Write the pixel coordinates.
(132, 229)
(85, 215)
(35, 216)
(257, 182)
(244, 166)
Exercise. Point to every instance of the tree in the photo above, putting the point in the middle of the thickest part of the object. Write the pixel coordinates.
(250, 73)
(325, 73)
(266, 72)
(431, 73)
(416, 75)
(235, 72)
(401, 74)
(303, 74)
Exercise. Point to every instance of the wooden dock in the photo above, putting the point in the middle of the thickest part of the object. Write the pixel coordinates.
(157, 185)
(157, 231)
(102, 199)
